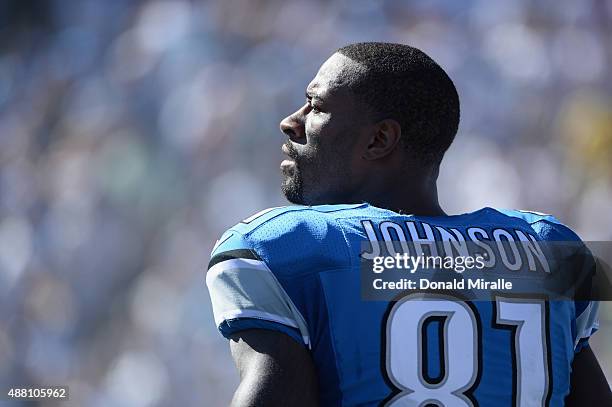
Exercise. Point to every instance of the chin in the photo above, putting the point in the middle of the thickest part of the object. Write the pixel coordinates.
(292, 191)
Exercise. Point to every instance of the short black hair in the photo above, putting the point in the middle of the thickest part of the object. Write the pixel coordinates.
(403, 83)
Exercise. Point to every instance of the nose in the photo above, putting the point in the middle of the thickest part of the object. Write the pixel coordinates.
(293, 127)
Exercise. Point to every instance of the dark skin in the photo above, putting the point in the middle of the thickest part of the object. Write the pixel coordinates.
(274, 370)
(335, 137)
(588, 385)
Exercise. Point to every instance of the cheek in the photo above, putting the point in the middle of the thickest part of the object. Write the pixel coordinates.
(317, 125)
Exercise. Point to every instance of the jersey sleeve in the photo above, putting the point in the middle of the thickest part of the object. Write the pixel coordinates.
(587, 309)
(587, 323)
(583, 263)
(245, 294)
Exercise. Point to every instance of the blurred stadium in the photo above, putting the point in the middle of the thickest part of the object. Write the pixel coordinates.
(132, 133)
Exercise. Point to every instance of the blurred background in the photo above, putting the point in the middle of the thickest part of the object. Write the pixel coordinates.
(132, 133)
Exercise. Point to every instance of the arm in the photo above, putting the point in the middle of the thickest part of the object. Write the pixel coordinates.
(588, 386)
(274, 370)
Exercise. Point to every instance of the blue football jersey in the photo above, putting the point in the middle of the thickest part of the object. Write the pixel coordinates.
(296, 270)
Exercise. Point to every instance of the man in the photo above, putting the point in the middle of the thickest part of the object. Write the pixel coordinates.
(285, 283)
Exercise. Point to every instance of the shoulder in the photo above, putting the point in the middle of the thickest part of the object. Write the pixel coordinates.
(284, 219)
(546, 226)
(263, 271)
(295, 236)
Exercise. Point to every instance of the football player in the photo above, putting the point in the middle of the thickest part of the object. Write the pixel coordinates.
(363, 155)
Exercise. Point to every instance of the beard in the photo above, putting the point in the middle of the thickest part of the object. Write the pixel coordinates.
(315, 178)
(293, 187)
(293, 182)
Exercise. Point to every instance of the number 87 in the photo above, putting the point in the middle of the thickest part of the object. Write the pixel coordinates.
(459, 346)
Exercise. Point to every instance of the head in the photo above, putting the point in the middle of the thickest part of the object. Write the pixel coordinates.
(374, 110)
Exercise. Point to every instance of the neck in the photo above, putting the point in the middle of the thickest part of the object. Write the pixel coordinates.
(414, 196)
(407, 202)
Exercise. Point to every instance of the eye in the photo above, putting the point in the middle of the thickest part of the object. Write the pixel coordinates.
(312, 107)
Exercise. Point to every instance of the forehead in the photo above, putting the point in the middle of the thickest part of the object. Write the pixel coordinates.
(334, 77)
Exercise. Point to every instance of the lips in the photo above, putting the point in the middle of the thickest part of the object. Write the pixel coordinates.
(287, 166)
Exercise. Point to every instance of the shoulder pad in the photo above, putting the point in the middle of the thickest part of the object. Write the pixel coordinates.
(545, 225)
(300, 213)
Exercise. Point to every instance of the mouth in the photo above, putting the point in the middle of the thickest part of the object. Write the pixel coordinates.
(287, 166)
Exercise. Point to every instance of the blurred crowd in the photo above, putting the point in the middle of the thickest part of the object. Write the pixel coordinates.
(132, 133)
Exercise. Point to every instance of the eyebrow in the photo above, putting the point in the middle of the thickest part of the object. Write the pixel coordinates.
(311, 95)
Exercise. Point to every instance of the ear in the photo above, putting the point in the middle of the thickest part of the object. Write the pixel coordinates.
(384, 139)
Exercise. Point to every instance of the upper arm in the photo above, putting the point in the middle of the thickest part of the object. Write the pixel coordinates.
(588, 386)
(274, 370)
(269, 338)
(245, 293)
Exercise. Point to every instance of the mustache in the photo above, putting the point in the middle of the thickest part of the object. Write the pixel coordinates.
(291, 150)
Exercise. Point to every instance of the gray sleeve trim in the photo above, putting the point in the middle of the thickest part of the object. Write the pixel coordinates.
(247, 288)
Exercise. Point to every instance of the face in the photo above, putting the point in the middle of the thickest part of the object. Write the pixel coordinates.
(324, 138)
